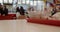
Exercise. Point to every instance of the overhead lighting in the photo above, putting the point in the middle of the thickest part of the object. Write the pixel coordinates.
(27, 1)
(31, 3)
(35, 3)
(23, 1)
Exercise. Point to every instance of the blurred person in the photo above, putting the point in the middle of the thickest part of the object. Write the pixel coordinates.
(5, 11)
(1, 9)
(22, 10)
(17, 9)
(53, 9)
(17, 12)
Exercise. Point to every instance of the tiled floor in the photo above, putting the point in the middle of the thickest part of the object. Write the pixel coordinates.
(42, 28)
(23, 26)
(12, 25)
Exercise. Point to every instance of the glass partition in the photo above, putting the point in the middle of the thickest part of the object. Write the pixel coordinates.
(23, 1)
(6, 1)
(10, 1)
(32, 3)
(19, 1)
(35, 5)
(27, 1)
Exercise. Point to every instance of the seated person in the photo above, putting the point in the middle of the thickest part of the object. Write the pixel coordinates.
(55, 16)
(5, 11)
(22, 11)
(1, 9)
(17, 9)
(54, 11)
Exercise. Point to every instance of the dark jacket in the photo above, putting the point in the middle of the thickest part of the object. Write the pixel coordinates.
(1, 10)
(22, 11)
(17, 9)
(5, 11)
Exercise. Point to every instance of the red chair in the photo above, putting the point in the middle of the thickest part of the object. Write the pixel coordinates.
(8, 17)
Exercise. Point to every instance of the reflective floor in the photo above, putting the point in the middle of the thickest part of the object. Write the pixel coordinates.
(42, 28)
(23, 26)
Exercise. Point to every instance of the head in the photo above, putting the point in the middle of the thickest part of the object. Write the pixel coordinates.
(21, 7)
